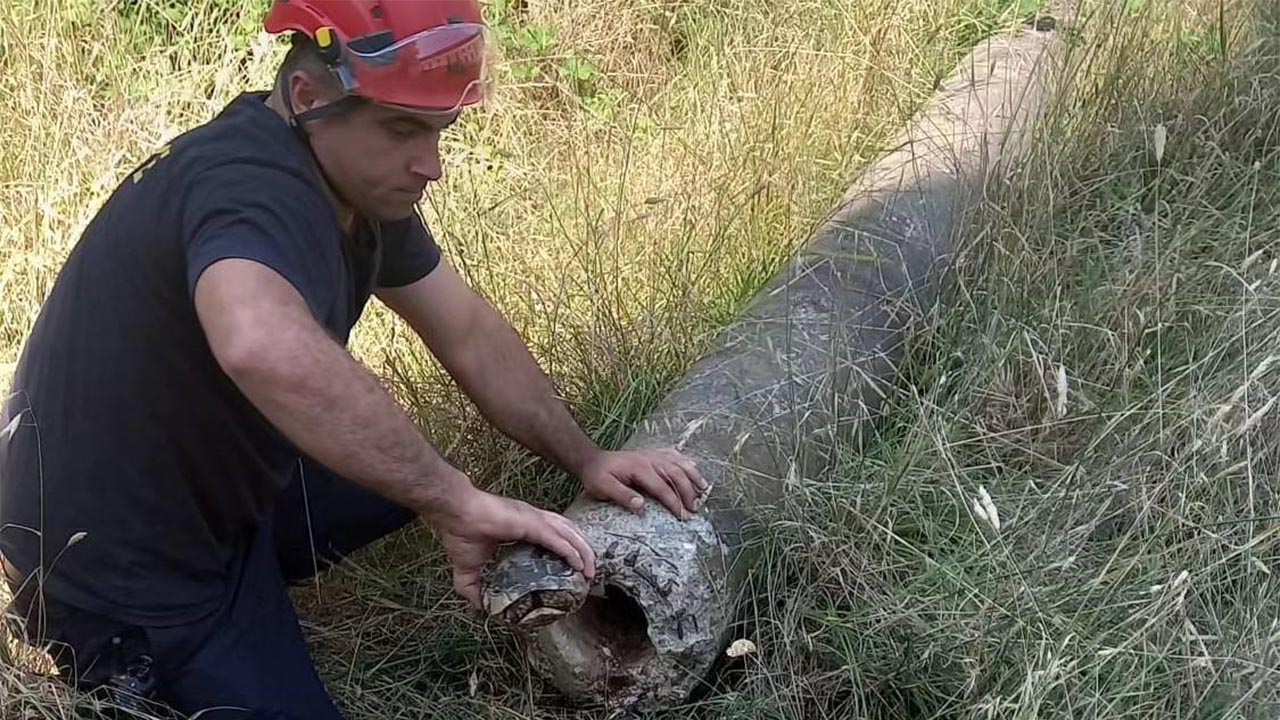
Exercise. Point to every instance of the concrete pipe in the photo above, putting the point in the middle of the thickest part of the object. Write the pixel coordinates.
(799, 374)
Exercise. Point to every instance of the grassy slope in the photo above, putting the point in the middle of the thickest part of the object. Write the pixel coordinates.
(617, 244)
(1106, 373)
(1149, 286)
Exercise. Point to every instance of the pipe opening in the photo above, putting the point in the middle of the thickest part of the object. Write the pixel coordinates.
(612, 635)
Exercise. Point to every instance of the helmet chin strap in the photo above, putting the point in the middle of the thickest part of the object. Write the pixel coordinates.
(297, 121)
(341, 106)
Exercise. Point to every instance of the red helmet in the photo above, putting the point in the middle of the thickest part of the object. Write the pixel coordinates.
(422, 55)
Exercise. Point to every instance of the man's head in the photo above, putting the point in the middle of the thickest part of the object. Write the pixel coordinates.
(378, 158)
(372, 83)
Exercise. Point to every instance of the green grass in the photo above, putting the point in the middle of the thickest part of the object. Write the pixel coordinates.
(1134, 573)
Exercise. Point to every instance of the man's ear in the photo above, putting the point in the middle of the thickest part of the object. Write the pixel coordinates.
(305, 91)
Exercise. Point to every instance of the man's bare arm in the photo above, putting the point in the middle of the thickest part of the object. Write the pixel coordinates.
(309, 387)
(494, 367)
(334, 410)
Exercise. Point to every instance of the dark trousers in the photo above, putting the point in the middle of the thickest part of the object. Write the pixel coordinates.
(248, 661)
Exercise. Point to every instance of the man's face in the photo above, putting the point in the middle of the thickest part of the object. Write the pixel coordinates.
(380, 159)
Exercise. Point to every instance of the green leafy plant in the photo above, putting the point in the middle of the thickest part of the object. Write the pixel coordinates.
(537, 39)
(605, 104)
(578, 70)
(532, 49)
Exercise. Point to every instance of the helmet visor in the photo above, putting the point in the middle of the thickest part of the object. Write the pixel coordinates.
(439, 70)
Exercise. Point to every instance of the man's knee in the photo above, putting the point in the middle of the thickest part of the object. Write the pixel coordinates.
(254, 669)
(322, 518)
(102, 657)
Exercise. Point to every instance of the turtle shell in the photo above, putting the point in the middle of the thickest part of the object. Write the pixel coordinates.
(533, 590)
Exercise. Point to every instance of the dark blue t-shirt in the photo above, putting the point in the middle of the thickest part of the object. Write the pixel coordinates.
(130, 432)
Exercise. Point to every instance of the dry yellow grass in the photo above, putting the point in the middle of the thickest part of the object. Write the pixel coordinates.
(614, 240)
(740, 124)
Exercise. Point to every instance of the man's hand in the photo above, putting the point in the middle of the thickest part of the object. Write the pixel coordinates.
(492, 365)
(479, 522)
(665, 475)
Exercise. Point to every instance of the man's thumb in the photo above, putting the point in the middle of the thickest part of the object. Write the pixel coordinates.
(467, 585)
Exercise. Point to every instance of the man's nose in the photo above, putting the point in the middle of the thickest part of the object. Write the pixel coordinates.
(425, 161)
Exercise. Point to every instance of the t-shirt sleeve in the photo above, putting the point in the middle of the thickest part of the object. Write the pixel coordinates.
(409, 252)
(267, 215)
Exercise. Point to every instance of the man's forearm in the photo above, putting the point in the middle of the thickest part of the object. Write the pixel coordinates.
(495, 369)
(335, 411)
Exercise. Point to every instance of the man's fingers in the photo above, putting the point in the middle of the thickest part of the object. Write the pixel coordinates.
(683, 484)
(662, 489)
(617, 492)
(690, 468)
(571, 533)
(548, 534)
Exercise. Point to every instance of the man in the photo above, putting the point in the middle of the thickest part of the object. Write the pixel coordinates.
(187, 433)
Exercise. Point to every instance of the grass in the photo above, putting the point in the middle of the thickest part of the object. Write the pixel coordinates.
(1104, 370)
(1105, 373)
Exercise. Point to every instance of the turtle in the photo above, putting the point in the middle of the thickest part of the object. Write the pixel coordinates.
(531, 590)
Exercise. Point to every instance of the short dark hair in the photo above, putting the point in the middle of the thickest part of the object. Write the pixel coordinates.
(304, 56)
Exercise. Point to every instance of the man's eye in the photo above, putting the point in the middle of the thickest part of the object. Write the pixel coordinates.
(403, 132)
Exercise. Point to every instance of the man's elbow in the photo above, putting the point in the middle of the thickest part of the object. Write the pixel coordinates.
(256, 324)
(252, 355)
